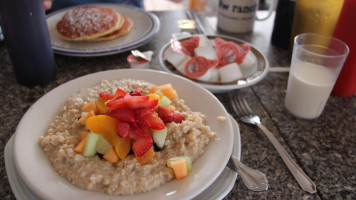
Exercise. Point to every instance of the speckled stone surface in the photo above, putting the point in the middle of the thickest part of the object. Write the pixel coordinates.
(324, 148)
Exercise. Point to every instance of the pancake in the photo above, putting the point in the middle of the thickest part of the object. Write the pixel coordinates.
(88, 23)
(126, 28)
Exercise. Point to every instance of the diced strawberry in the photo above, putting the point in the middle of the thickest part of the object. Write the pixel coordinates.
(137, 102)
(119, 93)
(122, 128)
(136, 133)
(117, 103)
(178, 117)
(142, 145)
(137, 92)
(153, 122)
(168, 115)
(143, 111)
(165, 114)
(106, 96)
(122, 114)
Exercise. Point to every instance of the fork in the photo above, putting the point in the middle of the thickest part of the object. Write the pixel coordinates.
(243, 110)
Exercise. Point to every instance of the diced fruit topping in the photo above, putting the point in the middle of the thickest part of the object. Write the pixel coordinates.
(91, 106)
(159, 137)
(117, 120)
(146, 157)
(103, 145)
(142, 145)
(168, 115)
(111, 156)
(167, 90)
(180, 168)
(188, 161)
(90, 145)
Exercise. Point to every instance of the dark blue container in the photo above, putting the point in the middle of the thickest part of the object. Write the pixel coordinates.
(25, 30)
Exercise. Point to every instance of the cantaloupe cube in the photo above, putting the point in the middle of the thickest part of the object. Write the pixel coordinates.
(180, 168)
(146, 157)
(111, 156)
(80, 146)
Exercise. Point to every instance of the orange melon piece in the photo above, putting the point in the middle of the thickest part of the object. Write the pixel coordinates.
(87, 116)
(146, 157)
(180, 168)
(168, 91)
(90, 106)
(111, 156)
(83, 135)
(80, 146)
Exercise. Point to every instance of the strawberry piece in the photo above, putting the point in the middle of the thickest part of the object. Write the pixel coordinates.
(137, 92)
(136, 133)
(154, 122)
(116, 104)
(168, 115)
(106, 96)
(178, 117)
(137, 102)
(142, 145)
(122, 114)
(165, 114)
(139, 113)
(122, 128)
(119, 93)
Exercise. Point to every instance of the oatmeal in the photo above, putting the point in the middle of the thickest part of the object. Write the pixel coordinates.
(128, 176)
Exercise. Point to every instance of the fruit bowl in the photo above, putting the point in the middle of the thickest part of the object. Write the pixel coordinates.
(260, 68)
(36, 171)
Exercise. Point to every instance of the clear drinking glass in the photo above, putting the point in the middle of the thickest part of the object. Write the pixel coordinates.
(316, 63)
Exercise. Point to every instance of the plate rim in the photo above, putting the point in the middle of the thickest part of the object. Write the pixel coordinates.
(156, 24)
(93, 83)
(219, 88)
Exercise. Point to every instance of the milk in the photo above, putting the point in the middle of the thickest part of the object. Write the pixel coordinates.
(309, 87)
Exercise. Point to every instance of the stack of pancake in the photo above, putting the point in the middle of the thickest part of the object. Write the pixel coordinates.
(93, 23)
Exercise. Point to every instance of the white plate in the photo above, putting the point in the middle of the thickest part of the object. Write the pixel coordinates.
(218, 190)
(37, 172)
(261, 67)
(145, 26)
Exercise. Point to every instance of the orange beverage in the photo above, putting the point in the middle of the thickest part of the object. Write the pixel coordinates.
(315, 16)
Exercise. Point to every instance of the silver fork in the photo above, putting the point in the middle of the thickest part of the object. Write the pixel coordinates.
(243, 110)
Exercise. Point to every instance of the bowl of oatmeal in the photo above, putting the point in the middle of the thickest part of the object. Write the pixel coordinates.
(39, 169)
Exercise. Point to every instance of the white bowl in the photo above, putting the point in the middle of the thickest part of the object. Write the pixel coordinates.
(37, 172)
(261, 68)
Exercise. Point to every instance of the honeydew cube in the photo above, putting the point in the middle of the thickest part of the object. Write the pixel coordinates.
(159, 137)
(230, 72)
(90, 145)
(175, 58)
(206, 51)
(103, 145)
(164, 101)
(248, 66)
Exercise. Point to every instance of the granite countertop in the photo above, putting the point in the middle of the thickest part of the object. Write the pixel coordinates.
(324, 147)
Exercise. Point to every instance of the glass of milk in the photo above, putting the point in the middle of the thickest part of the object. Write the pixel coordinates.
(316, 63)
